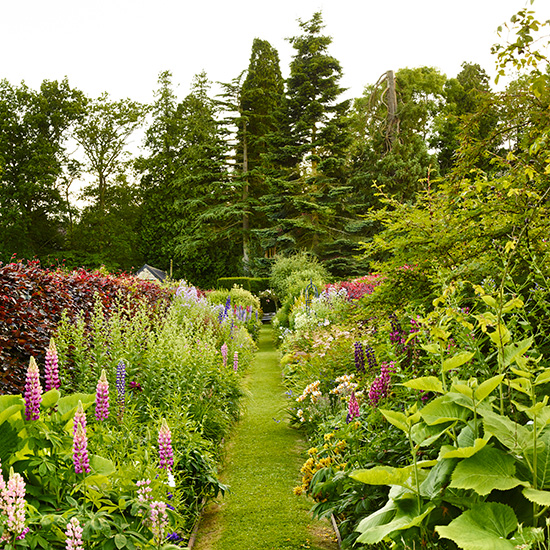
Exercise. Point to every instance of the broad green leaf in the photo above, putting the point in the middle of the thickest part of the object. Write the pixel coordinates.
(486, 387)
(510, 305)
(464, 390)
(437, 479)
(490, 301)
(543, 459)
(102, 466)
(405, 515)
(120, 540)
(9, 400)
(485, 527)
(465, 452)
(522, 385)
(96, 480)
(458, 360)
(444, 409)
(513, 350)
(384, 475)
(426, 383)
(430, 348)
(10, 411)
(50, 398)
(542, 498)
(543, 377)
(501, 336)
(485, 471)
(509, 433)
(437, 332)
(398, 419)
(67, 405)
(424, 435)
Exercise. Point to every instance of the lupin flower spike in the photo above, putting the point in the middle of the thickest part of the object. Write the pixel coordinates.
(33, 392)
(80, 451)
(224, 351)
(51, 371)
(121, 384)
(79, 418)
(74, 535)
(102, 397)
(236, 361)
(166, 453)
(353, 408)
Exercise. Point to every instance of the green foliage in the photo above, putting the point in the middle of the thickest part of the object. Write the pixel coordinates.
(255, 285)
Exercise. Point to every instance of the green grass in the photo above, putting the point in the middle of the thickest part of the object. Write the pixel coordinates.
(264, 458)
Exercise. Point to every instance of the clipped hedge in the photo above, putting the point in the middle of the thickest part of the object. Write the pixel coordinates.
(255, 285)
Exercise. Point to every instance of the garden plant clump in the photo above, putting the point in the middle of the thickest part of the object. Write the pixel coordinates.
(115, 440)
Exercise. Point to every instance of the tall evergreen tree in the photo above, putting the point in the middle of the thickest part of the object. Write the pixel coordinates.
(306, 205)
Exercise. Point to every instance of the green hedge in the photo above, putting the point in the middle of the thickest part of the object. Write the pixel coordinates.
(255, 285)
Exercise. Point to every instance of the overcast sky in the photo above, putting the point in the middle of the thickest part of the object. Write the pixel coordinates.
(120, 46)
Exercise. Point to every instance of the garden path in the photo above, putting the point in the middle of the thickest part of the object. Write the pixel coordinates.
(263, 461)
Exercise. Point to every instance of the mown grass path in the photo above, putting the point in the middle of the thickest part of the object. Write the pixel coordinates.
(262, 465)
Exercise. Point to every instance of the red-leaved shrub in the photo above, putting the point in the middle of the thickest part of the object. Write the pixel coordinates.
(32, 299)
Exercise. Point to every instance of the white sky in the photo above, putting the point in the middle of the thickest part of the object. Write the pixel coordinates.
(120, 46)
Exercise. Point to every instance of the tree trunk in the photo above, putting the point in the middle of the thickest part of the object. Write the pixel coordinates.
(392, 128)
(246, 219)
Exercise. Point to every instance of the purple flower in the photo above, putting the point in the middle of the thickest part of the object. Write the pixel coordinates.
(80, 451)
(371, 358)
(51, 371)
(166, 453)
(359, 357)
(135, 386)
(381, 384)
(102, 397)
(33, 392)
(121, 384)
(74, 535)
(353, 408)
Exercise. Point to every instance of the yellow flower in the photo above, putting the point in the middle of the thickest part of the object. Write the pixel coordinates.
(312, 451)
(329, 436)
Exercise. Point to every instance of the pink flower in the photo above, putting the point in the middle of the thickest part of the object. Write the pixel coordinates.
(80, 451)
(353, 408)
(236, 361)
(381, 384)
(74, 535)
(224, 354)
(12, 505)
(51, 371)
(159, 520)
(102, 398)
(166, 452)
(33, 392)
(79, 418)
(144, 491)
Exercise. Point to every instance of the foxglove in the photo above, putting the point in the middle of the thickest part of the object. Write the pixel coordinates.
(166, 453)
(51, 371)
(102, 398)
(33, 392)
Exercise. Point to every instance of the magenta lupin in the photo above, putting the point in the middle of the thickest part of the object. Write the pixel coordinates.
(353, 408)
(166, 453)
(79, 418)
(80, 451)
(51, 371)
(102, 398)
(33, 392)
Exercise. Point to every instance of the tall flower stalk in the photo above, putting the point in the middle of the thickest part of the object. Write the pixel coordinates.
(159, 521)
(166, 453)
(102, 397)
(236, 361)
(224, 351)
(74, 535)
(79, 418)
(80, 451)
(51, 370)
(121, 387)
(12, 506)
(33, 392)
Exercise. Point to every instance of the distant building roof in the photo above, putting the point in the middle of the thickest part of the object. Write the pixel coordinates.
(150, 273)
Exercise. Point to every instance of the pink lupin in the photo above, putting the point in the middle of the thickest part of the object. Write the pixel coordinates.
(102, 398)
(51, 371)
(80, 451)
(166, 453)
(33, 392)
